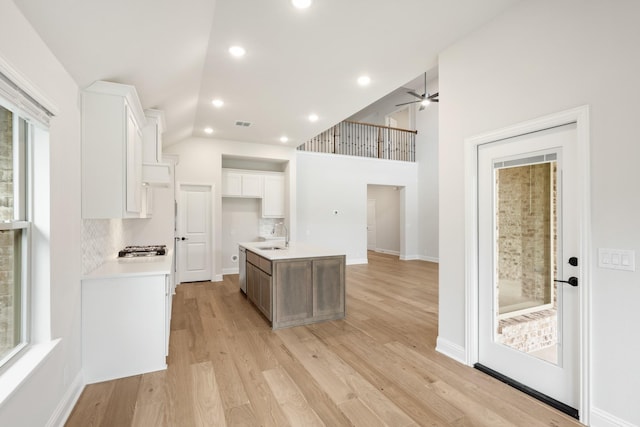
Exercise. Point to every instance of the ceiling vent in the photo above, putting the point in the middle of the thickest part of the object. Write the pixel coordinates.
(243, 124)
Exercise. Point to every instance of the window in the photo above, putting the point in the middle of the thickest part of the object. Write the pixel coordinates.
(14, 232)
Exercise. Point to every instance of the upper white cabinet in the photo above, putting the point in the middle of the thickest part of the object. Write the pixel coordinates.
(112, 122)
(154, 172)
(269, 186)
(273, 197)
(236, 183)
(152, 136)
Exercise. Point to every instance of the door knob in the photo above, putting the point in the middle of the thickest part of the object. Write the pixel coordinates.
(573, 281)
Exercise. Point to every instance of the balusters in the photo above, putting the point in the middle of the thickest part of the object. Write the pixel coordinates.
(364, 140)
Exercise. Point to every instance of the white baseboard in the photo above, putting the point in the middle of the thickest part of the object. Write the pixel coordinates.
(387, 251)
(67, 403)
(429, 259)
(600, 418)
(232, 270)
(409, 258)
(452, 350)
(217, 278)
(357, 261)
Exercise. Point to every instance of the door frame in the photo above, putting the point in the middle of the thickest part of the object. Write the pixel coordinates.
(375, 245)
(580, 116)
(179, 211)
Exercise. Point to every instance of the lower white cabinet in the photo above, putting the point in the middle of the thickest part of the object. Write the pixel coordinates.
(125, 326)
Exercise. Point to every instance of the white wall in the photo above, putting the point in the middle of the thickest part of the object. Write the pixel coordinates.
(427, 159)
(387, 217)
(44, 396)
(201, 162)
(240, 223)
(539, 58)
(329, 182)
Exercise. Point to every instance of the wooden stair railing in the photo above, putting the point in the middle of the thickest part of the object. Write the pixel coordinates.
(365, 140)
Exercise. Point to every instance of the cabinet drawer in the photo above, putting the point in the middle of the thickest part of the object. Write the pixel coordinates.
(262, 263)
(265, 265)
(253, 258)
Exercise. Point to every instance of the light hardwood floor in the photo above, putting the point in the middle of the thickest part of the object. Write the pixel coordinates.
(377, 367)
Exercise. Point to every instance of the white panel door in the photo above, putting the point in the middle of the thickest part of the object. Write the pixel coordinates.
(194, 241)
(528, 241)
(371, 225)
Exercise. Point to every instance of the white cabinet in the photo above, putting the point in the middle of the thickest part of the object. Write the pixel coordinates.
(154, 172)
(147, 202)
(125, 326)
(152, 136)
(112, 119)
(241, 184)
(269, 186)
(273, 199)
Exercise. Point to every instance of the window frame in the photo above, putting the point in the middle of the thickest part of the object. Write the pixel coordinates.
(22, 220)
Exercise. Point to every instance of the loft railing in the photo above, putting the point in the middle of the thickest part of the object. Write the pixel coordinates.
(365, 140)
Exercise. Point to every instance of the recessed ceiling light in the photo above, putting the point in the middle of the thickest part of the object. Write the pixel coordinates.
(217, 103)
(237, 51)
(208, 131)
(364, 80)
(284, 139)
(301, 4)
(313, 117)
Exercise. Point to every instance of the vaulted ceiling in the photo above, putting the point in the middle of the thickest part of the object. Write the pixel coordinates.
(297, 62)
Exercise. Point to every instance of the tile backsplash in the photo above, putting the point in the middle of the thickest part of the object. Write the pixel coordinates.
(268, 225)
(101, 240)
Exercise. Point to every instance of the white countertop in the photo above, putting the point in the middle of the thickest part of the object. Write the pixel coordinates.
(135, 266)
(295, 250)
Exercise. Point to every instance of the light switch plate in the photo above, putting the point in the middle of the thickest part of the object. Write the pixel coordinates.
(617, 259)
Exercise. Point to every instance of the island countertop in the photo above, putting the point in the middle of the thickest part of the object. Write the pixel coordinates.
(293, 251)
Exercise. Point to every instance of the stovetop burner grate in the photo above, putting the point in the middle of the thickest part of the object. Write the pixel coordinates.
(140, 251)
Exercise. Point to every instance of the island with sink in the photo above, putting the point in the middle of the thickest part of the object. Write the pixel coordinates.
(294, 283)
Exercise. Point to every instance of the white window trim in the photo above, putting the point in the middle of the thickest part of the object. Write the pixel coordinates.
(24, 98)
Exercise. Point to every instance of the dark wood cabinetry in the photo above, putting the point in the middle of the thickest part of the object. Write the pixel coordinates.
(259, 289)
(297, 291)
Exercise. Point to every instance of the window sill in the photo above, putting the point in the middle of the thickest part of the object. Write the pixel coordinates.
(20, 370)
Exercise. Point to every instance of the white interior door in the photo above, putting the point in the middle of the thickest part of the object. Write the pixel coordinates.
(371, 224)
(528, 233)
(194, 241)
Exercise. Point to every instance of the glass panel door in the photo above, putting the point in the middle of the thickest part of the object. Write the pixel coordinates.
(526, 242)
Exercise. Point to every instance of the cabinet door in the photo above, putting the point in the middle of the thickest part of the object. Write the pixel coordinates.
(273, 198)
(251, 185)
(231, 184)
(294, 294)
(265, 294)
(134, 164)
(328, 287)
(252, 287)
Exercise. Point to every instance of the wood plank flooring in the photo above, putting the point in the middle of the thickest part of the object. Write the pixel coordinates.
(376, 367)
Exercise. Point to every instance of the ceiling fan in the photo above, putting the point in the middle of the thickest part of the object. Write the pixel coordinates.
(423, 99)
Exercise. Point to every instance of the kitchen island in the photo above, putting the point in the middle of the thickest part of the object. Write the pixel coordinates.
(295, 285)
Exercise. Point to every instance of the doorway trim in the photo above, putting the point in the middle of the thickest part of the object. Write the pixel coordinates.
(580, 116)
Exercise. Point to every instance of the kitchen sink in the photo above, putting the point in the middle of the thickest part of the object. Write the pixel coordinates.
(270, 248)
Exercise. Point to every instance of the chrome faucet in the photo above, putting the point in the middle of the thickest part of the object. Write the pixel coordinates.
(286, 234)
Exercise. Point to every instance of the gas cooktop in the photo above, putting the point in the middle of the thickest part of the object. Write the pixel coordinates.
(141, 251)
